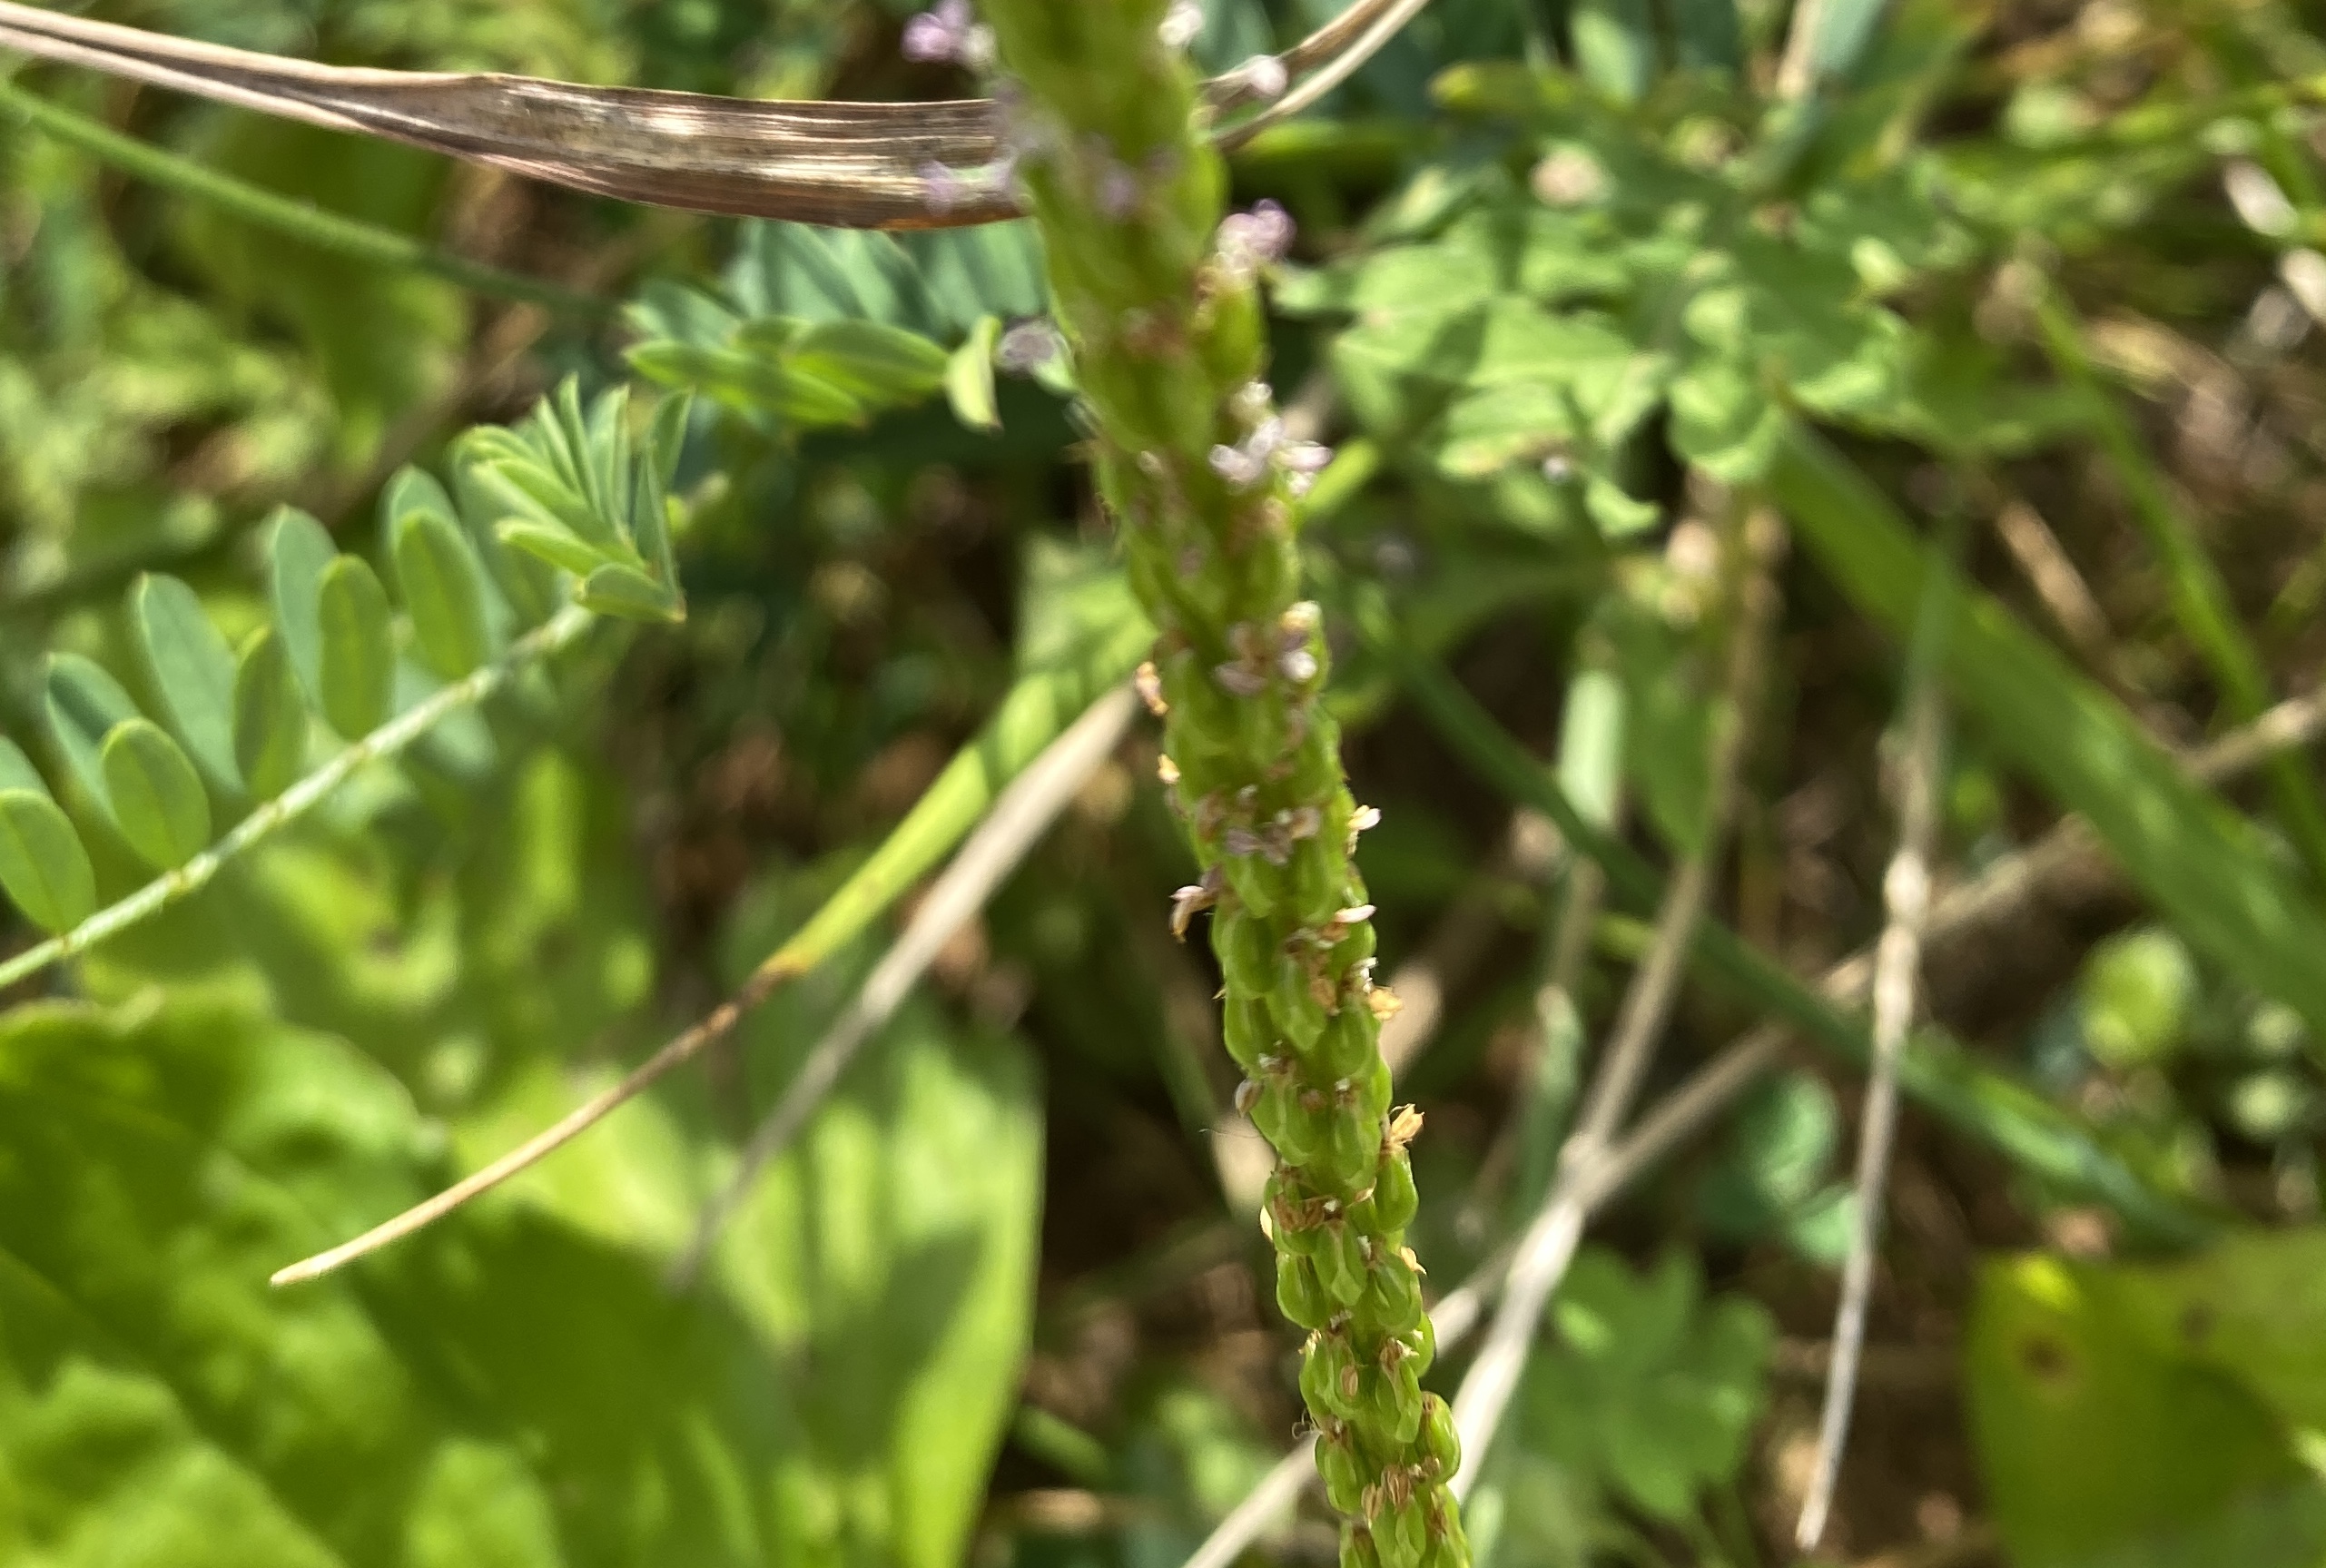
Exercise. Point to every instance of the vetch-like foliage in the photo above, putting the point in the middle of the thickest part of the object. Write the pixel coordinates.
(564, 518)
(1157, 289)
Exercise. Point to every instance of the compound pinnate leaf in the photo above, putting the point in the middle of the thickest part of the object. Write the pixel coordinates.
(193, 674)
(299, 551)
(444, 592)
(269, 717)
(85, 704)
(43, 866)
(157, 797)
(356, 646)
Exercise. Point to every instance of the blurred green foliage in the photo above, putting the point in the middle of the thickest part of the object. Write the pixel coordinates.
(1577, 288)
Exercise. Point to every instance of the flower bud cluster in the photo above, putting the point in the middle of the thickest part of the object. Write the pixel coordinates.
(1157, 289)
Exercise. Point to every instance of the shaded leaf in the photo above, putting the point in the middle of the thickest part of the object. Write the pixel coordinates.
(193, 671)
(358, 648)
(43, 866)
(2179, 844)
(298, 552)
(85, 704)
(157, 797)
(444, 592)
(269, 717)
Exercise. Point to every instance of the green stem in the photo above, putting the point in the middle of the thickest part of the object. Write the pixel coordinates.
(395, 736)
(1160, 298)
(2200, 600)
(294, 218)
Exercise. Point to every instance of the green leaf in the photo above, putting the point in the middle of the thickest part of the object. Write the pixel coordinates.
(299, 551)
(157, 797)
(1615, 46)
(748, 384)
(358, 648)
(85, 704)
(193, 671)
(1709, 35)
(629, 594)
(2179, 844)
(880, 366)
(444, 592)
(269, 717)
(908, 1218)
(43, 866)
(834, 1391)
(1644, 1384)
(2127, 1415)
(969, 377)
(550, 543)
(2134, 998)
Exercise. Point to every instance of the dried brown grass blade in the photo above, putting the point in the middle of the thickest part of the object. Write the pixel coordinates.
(847, 165)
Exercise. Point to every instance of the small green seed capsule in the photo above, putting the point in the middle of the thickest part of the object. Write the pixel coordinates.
(1420, 1346)
(1357, 1550)
(1319, 878)
(1341, 1264)
(1292, 1131)
(1373, 1090)
(1249, 1034)
(1393, 1295)
(1348, 1045)
(1299, 1017)
(1394, 1199)
(1440, 1440)
(1401, 1534)
(1300, 1296)
(1449, 1546)
(1254, 883)
(1351, 1151)
(1394, 1401)
(1343, 1469)
(1248, 955)
(1330, 1380)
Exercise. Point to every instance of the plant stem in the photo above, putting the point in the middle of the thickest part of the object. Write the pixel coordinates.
(294, 220)
(1550, 1242)
(1020, 817)
(1897, 962)
(1159, 297)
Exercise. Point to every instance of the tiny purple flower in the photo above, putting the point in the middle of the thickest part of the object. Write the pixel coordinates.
(1118, 192)
(943, 189)
(938, 34)
(1241, 680)
(1242, 468)
(1026, 346)
(1248, 241)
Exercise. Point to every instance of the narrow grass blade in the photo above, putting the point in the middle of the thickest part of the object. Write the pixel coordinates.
(2195, 858)
(1987, 1104)
(2200, 601)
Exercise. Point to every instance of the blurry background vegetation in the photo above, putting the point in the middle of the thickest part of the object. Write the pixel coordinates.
(2041, 273)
